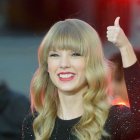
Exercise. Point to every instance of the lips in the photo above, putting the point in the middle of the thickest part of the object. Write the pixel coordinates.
(66, 76)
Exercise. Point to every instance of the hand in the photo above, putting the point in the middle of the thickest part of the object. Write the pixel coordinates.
(116, 35)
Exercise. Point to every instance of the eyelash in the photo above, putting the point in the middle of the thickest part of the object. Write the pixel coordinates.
(73, 54)
(53, 55)
(76, 54)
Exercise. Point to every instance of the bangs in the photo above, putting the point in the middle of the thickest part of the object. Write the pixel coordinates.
(68, 38)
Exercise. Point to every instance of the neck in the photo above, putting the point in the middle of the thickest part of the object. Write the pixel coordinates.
(71, 106)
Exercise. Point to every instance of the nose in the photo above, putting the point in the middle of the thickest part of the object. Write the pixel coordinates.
(65, 62)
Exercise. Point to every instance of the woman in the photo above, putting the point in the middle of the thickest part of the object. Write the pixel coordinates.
(70, 87)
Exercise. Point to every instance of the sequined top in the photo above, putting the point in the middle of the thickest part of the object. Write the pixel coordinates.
(123, 123)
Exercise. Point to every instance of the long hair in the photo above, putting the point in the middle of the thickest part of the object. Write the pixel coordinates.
(77, 35)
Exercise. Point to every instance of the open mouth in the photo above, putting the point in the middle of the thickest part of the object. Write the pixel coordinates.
(66, 76)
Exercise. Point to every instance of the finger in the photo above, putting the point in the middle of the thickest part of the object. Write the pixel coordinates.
(116, 22)
(110, 27)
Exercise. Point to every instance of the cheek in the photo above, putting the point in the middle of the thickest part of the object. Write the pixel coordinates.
(80, 67)
(48, 69)
(52, 66)
(81, 70)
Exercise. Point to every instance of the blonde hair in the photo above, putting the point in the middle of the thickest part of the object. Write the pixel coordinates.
(77, 35)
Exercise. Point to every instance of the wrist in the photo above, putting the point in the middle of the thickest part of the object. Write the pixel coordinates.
(128, 55)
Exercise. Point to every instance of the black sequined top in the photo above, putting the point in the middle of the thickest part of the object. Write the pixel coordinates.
(123, 123)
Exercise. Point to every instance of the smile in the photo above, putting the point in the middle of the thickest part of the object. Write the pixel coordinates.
(66, 76)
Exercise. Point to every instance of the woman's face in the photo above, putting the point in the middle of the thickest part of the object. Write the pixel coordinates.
(67, 70)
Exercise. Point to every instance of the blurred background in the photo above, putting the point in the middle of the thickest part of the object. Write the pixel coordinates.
(23, 23)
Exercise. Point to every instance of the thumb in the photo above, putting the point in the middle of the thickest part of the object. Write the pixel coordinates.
(116, 22)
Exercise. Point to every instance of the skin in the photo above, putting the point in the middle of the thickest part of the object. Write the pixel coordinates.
(67, 71)
(71, 89)
(118, 88)
(116, 35)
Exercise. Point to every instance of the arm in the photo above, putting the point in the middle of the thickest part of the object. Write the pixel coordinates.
(131, 69)
(116, 35)
(130, 121)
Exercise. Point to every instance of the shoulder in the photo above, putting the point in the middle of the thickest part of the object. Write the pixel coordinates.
(27, 127)
(29, 118)
(121, 123)
(117, 114)
(119, 110)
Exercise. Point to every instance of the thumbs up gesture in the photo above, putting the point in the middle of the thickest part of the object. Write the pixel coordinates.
(116, 35)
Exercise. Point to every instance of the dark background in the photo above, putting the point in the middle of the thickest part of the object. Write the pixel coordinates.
(23, 23)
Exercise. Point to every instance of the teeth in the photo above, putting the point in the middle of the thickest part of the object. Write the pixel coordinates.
(65, 75)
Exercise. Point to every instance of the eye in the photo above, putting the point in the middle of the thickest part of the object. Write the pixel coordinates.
(53, 55)
(76, 54)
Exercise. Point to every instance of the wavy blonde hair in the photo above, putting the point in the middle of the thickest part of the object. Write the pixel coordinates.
(77, 35)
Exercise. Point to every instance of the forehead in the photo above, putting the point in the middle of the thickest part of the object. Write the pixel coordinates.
(67, 37)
